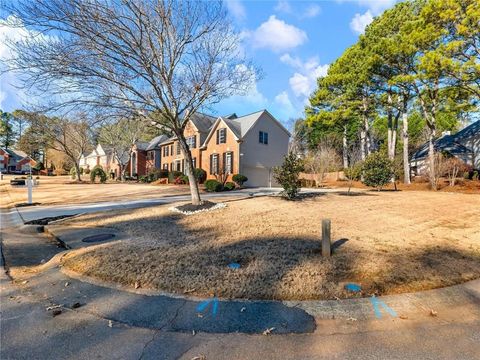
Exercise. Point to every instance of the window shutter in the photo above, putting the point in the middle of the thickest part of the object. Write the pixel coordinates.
(224, 162)
(211, 164)
(218, 136)
(260, 137)
(231, 162)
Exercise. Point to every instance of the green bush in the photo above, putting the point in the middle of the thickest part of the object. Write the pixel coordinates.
(239, 179)
(144, 179)
(229, 186)
(98, 171)
(39, 166)
(155, 174)
(200, 175)
(354, 172)
(287, 175)
(475, 175)
(213, 185)
(377, 170)
(172, 175)
(73, 172)
(87, 171)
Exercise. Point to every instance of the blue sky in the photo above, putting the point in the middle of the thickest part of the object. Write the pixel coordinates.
(293, 42)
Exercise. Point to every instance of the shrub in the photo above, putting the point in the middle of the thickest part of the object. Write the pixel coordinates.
(98, 171)
(144, 179)
(229, 186)
(38, 166)
(172, 175)
(184, 179)
(73, 172)
(87, 171)
(155, 174)
(287, 175)
(475, 175)
(377, 170)
(239, 179)
(200, 175)
(354, 172)
(213, 185)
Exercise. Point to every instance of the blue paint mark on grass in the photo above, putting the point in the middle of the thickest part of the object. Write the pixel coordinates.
(204, 304)
(234, 265)
(376, 308)
(353, 287)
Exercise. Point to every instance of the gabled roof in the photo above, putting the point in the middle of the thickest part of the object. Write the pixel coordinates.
(450, 143)
(156, 141)
(16, 154)
(203, 122)
(141, 145)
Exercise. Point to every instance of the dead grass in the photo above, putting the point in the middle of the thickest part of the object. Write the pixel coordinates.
(62, 190)
(397, 242)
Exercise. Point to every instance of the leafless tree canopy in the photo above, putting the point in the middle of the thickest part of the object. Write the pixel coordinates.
(160, 59)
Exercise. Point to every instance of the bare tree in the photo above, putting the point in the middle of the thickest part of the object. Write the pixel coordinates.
(161, 60)
(121, 137)
(322, 160)
(70, 137)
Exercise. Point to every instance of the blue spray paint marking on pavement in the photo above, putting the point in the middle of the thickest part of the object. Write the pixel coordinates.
(376, 308)
(353, 287)
(204, 304)
(234, 265)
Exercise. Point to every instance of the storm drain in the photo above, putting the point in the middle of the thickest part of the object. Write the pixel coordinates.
(98, 238)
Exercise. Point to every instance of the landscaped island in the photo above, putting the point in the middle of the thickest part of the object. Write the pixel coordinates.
(395, 242)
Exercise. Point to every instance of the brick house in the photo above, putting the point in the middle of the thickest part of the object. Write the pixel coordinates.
(12, 160)
(250, 145)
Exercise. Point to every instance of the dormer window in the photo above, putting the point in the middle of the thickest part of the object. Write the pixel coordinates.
(221, 136)
(191, 142)
(263, 137)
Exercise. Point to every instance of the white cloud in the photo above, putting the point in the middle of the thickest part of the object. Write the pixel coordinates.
(304, 80)
(284, 100)
(376, 7)
(277, 35)
(360, 22)
(283, 6)
(312, 11)
(236, 8)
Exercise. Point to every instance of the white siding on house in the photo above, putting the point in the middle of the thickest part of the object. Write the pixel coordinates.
(257, 159)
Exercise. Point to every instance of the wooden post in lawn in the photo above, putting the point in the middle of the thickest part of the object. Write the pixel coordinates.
(326, 246)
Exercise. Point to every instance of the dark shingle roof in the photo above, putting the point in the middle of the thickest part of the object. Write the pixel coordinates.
(156, 141)
(450, 143)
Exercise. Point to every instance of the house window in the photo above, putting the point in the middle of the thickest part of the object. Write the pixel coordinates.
(178, 165)
(165, 150)
(171, 166)
(221, 136)
(165, 167)
(213, 164)
(228, 162)
(171, 149)
(192, 142)
(150, 155)
(194, 162)
(178, 148)
(263, 137)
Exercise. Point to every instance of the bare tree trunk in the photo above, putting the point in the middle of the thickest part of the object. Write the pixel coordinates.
(77, 171)
(431, 158)
(345, 148)
(406, 160)
(123, 169)
(189, 170)
(362, 144)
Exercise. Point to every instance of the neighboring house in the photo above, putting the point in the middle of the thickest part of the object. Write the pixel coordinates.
(464, 145)
(12, 160)
(250, 145)
(153, 156)
(101, 155)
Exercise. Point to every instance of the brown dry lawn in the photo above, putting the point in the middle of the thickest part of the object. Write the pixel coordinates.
(397, 242)
(62, 190)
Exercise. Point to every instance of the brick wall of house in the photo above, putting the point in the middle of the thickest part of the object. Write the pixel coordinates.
(3, 160)
(212, 147)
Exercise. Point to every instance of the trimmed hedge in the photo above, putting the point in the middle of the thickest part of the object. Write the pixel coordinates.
(98, 171)
(200, 175)
(213, 185)
(229, 186)
(239, 179)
